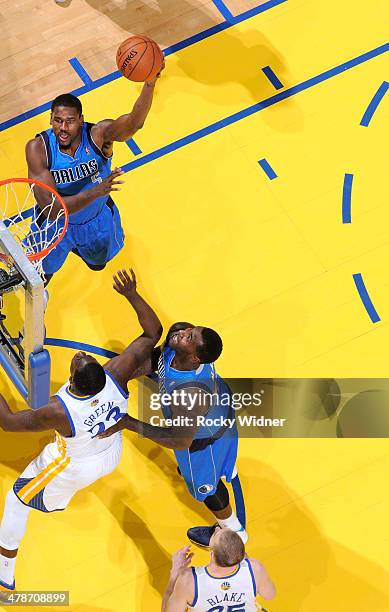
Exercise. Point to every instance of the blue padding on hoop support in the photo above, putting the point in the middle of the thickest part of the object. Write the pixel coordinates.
(39, 390)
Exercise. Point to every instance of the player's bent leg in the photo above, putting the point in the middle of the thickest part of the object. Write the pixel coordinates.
(62, 480)
(12, 529)
(56, 258)
(219, 502)
(14, 522)
(202, 471)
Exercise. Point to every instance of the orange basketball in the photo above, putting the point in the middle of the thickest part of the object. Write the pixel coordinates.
(139, 58)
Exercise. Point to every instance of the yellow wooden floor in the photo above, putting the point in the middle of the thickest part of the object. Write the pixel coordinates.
(268, 263)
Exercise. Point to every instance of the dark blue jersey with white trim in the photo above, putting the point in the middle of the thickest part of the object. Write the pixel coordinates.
(204, 378)
(72, 175)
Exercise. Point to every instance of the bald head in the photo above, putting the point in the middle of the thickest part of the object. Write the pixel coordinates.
(227, 547)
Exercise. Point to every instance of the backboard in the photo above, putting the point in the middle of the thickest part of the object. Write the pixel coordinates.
(22, 331)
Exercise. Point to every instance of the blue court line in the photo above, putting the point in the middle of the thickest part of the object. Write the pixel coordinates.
(266, 167)
(273, 78)
(250, 110)
(82, 73)
(24, 215)
(368, 304)
(369, 112)
(256, 10)
(133, 146)
(224, 25)
(346, 199)
(80, 346)
(223, 9)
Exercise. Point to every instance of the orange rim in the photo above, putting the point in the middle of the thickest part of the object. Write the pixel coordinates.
(45, 251)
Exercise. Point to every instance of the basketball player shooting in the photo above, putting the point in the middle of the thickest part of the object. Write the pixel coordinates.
(74, 157)
(95, 397)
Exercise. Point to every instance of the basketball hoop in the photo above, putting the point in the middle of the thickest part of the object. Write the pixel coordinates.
(38, 230)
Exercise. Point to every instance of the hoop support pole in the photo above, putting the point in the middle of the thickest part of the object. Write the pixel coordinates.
(15, 376)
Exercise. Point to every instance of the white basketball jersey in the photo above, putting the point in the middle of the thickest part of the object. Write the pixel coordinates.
(234, 593)
(90, 416)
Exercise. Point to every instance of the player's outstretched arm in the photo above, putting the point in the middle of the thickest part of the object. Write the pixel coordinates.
(180, 589)
(125, 126)
(187, 406)
(124, 365)
(38, 170)
(51, 416)
(265, 586)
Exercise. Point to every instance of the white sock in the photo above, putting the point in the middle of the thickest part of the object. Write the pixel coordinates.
(232, 522)
(7, 568)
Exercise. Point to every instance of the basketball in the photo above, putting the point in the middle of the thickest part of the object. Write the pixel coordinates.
(139, 58)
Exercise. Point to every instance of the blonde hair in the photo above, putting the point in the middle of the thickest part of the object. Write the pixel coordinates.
(229, 549)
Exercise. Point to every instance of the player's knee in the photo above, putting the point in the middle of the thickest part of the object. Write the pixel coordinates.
(219, 500)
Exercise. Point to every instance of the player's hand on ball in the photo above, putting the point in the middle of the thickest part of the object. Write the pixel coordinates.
(154, 80)
(125, 284)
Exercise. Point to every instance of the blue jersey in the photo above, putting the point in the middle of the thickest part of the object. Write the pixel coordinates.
(205, 378)
(72, 175)
(213, 452)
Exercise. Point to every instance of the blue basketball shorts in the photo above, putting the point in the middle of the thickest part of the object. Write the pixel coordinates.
(97, 241)
(203, 469)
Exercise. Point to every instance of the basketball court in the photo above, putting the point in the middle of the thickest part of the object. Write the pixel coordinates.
(255, 202)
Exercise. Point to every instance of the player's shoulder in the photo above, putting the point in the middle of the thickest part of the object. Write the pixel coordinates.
(114, 379)
(55, 404)
(101, 124)
(36, 152)
(98, 129)
(99, 136)
(54, 408)
(36, 145)
(257, 567)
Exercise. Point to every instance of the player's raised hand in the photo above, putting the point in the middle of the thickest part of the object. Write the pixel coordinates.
(108, 184)
(181, 560)
(154, 80)
(125, 283)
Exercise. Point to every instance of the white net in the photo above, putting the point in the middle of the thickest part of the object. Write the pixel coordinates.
(35, 228)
